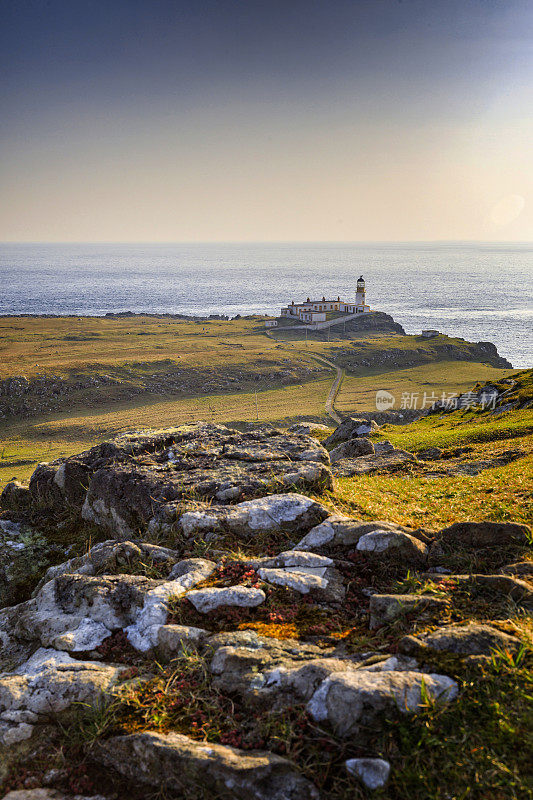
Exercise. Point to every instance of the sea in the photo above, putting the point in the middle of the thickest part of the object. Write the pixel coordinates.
(474, 290)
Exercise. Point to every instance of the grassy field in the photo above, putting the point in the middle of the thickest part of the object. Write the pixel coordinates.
(424, 384)
(503, 493)
(68, 433)
(134, 350)
(36, 345)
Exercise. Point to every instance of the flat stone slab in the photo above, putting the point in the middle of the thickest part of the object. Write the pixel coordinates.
(350, 428)
(221, 770)
(471, 639)
(287, 513)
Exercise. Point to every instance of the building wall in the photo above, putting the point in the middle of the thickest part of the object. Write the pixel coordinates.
(316, 311)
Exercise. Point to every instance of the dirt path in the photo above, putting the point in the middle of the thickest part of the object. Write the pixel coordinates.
(335, 386)
(333, 392)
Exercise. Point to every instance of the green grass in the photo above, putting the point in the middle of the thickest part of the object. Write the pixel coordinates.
(478, 748)
(425, 383)
(454, 430)
(503, 494)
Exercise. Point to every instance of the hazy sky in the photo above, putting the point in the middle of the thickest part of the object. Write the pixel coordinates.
(213, 120)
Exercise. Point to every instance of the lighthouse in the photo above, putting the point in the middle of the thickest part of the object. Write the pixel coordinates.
(360, 297)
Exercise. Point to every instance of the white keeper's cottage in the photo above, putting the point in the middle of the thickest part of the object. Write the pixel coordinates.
(315, 310)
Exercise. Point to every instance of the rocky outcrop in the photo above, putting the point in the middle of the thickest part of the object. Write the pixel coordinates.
(324, 625)
(352, 449)
(469, 639)
(140, 479)
(365, 355)
(350, 700)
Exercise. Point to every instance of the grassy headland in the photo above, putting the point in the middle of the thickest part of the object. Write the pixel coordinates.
(68, 382)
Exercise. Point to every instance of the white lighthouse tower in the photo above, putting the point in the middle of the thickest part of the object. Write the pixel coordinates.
(360, 297)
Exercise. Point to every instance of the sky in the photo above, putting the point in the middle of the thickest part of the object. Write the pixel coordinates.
(249, 120)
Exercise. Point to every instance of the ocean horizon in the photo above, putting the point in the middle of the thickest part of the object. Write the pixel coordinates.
(480, 291)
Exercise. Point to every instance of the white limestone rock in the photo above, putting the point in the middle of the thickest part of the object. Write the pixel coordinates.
(48, 683)
(351, 700)
(343, 531)
(372, 772)
(143, 634)
(206, 600)
(287, 512)
(301, 559)
(175, 639)
(302, 580)
(393, 545)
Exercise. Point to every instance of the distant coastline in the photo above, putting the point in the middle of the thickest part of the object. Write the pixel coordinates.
(480, 292)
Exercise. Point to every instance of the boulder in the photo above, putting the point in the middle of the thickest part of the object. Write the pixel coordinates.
(372, 772)
(394, 546)
(485, 534)
(49, 683)
(184, 765)
(387, 462)
(124, 484)
(470, 639)
(289, 513)
(173, 640)
(210, 462)
(349, 429)
(385, 608)
(15, 498)
(353, 448)
(353, 700)
(345, 532)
